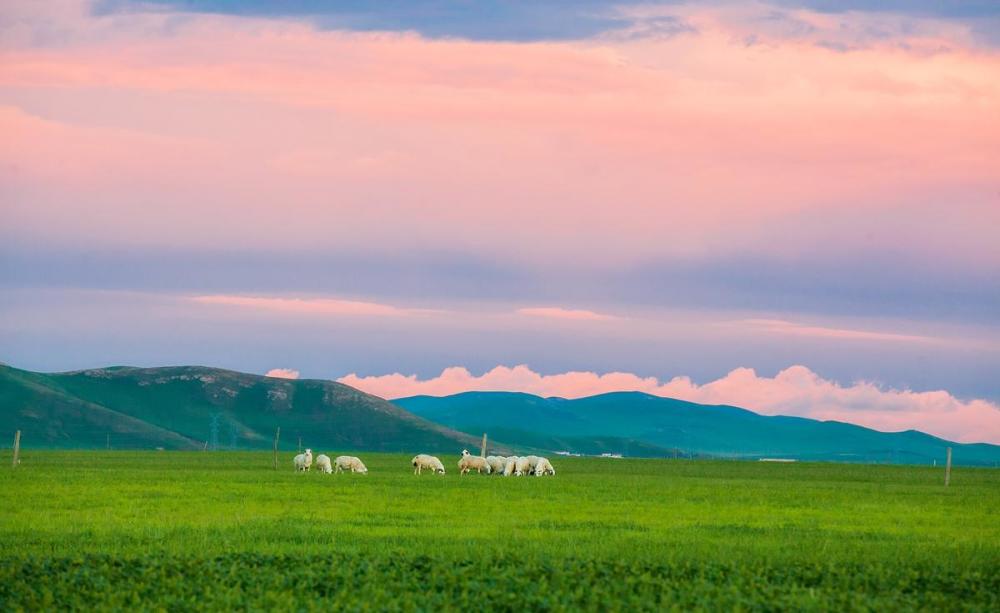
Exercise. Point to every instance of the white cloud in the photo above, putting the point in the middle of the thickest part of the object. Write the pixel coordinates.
(793, 391)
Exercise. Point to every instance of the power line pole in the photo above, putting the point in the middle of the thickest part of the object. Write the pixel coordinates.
(277, 435)
(17, 449)
(213, 432)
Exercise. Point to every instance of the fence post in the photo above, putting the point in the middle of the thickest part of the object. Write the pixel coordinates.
(482, 451)
(277, 435)
(947, 469)
(17, 449)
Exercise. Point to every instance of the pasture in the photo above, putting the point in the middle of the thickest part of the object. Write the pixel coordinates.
(177, 530)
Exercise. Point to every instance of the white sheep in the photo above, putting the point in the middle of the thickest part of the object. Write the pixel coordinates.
(323, 463)
(544, 467)
(510, 466)
(351, 463)
(472, 462)
(496, 462)
(429, 462)
(523, 466)
(533, 461)
(304, 461)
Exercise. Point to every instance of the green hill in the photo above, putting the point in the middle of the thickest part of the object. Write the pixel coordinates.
(637, 424)
(180, 408)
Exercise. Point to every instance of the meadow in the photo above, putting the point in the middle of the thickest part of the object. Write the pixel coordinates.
(179, 530)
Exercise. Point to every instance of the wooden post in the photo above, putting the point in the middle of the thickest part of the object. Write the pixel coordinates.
(947, 468)
(482, 451)
(277, 435)
(17, 449)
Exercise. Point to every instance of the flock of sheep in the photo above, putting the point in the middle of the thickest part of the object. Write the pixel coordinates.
(506, 466)
(500, 465)
(304, 462)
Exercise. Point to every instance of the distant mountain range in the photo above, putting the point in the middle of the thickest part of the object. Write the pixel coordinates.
(193, 407)
(638, 424)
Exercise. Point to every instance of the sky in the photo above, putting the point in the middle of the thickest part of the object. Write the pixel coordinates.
(790, 206)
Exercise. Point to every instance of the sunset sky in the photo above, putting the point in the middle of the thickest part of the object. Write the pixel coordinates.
(790, 206)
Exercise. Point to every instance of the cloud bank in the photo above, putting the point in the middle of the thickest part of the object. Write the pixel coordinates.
(747, 130)
(794, 391)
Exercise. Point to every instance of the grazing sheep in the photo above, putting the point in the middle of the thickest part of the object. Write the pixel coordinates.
(323, 463)
(510, 466)
(523, 466)
(544, 467)
(496, 463)
(304, 461)
(351, 463)
(472, 462)
(532, 463)
(429, 462)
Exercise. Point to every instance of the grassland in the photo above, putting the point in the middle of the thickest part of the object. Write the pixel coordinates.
(178, 530)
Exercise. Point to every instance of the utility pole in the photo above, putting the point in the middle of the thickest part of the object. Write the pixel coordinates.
(17, 449)
(213, 432)
(277, 435)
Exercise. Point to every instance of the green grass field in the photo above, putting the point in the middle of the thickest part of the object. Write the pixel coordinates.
(176, 530)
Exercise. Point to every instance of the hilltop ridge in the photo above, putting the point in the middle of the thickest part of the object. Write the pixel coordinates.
(180, 407)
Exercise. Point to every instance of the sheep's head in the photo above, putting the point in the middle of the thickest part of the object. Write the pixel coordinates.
(465, 452)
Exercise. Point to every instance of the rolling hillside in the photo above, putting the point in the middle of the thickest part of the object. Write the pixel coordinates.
(180, 408)
(637, 424)
(193, 407)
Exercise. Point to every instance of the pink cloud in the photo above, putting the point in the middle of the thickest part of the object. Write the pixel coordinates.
(649, 146)
(793, 391)
(779, 326)
(308, 306)
(282, 373)
(561, 313)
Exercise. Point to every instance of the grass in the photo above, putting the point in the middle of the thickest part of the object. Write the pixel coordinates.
(176, 530)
